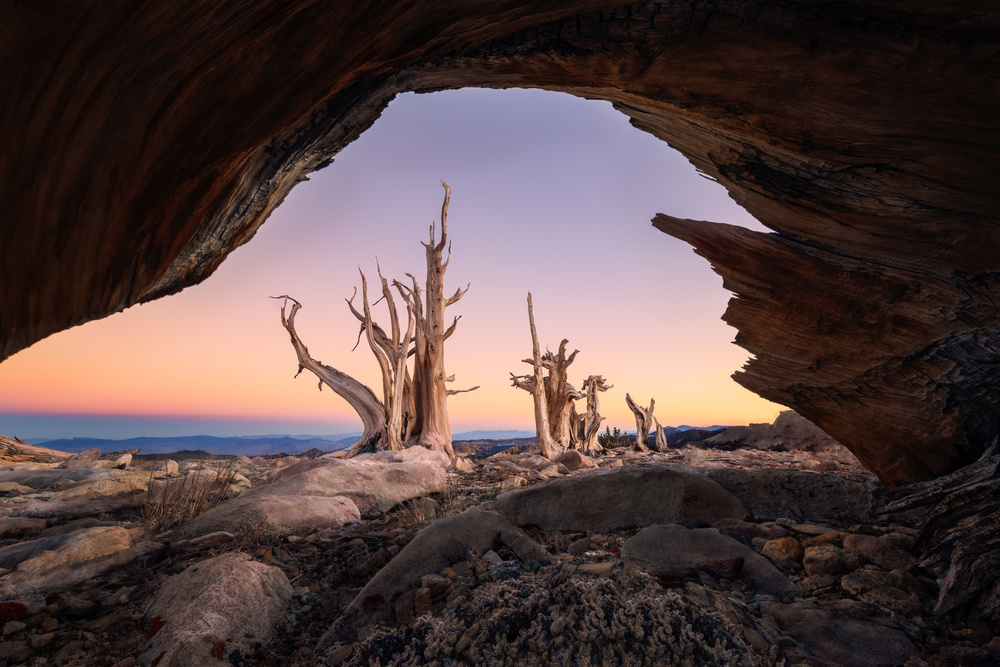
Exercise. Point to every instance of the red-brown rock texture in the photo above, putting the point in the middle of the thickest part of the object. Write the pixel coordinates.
(143, 141)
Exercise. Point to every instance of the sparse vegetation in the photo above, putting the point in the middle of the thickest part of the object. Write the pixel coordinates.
(175, 501)
(614, 439)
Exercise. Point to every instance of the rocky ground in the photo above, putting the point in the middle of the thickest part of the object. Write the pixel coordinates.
(695, 556)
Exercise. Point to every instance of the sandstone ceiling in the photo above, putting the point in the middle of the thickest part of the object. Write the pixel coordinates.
(143, 141)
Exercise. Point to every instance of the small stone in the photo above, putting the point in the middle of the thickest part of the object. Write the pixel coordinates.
(829, 560)
(422, 601)
(449, 573)
(833, 537)
(437, 584)
(339, 654)
(123, 461)
(49, 624)
(573, 459)
(596, 569)
(491, 557)
(43, 640)
(784, 550)
(10, 627)
(723, 568)
(427, 507)
(880, 551)
(12, 653)
(580, 546)
(819, 583)
(463, 464)
(514, 482)
(404, 606)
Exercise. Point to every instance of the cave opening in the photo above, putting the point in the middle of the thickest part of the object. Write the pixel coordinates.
(552, 193)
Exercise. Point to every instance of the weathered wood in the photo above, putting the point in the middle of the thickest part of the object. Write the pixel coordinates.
(643, 422)
(590, 422)
(661, 437)
(358, 395)
(391, 355)
(534, 384)
(960, 535)
(430, 426)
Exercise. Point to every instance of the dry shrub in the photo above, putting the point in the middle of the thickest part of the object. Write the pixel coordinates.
(177, 501)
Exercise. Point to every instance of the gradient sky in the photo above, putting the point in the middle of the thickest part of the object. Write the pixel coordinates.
(550, 193)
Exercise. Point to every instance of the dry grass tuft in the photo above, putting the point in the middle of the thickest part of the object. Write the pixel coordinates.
(177, 501)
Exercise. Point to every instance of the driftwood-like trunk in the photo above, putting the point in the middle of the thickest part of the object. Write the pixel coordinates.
(960, 536)
(431, 427)
(590, 422)
(560, 395)
(643, 422)
(358, 395)
(535, 385)
(661, 436)
(391, 355)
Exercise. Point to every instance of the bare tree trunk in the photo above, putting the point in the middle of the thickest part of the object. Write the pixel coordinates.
(643, 422)
(358, 395)
(591, 421)
(661, 437)
(535, 385)
(431, 427)
(391, 356)
(560, 394)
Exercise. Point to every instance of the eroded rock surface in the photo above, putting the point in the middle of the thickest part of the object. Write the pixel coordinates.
(215, 609)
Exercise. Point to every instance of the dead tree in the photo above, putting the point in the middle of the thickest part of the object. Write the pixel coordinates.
(431, 427)
(358, 395)
(590, 422)
(535, 385)
(661, 437)
(391, 354)
(643, 422)
(414, 409)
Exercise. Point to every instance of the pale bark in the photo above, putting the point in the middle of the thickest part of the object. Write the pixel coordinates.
(661, 436)
(431, 427)
(560, 394)
(643, 422)
(535, 385)
(590, 422)
(391, 354)
(359, 396)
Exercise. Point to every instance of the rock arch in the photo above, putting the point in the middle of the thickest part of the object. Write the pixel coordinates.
(144, 141)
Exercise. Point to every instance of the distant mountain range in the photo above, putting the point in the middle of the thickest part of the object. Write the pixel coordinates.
(257, 445)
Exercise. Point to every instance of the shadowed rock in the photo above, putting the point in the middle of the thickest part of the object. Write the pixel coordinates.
(847, 642)
(604, 500)
(371, 484)
(675, 551)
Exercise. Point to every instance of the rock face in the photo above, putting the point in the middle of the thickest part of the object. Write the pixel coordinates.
(862, 133)
(214, 611)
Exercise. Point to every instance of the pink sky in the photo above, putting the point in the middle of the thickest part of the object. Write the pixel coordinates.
(551, 194)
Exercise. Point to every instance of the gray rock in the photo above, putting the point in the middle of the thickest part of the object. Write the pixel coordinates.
(43, 479)
(85, 460)
(371, 485)
(11, 526)
(801, 495)
(574, 459)
(828, 559)
(230, 598)
(46, 554)
(675, 551)
(287, 515)
(847, 642)
(446, 541)
(605, 500)
(880, 551)
(463, 464)
(123, 461)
